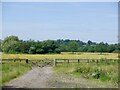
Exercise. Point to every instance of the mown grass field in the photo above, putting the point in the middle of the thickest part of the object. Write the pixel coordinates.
(62, 56)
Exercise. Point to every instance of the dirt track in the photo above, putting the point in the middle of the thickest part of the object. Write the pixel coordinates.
(46, 78)
(36, 78)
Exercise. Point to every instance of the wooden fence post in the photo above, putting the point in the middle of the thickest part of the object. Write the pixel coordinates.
(54, 62)
(68, 61)
(78, 60)
(26, 60)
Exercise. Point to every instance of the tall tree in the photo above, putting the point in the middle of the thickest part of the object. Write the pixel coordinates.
(10, 44)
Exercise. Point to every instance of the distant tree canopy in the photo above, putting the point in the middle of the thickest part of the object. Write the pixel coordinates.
(12, 44)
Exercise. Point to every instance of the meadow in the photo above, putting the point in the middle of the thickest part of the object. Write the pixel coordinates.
(64, 55)
(103, 72)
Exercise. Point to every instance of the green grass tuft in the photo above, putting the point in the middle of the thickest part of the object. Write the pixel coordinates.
(11, 70)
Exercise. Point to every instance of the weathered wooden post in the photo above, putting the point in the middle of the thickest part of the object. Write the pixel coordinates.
(54, 62)
(68, 61)
(78, 60)
(26, 60)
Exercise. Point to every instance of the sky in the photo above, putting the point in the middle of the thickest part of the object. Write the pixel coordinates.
(0, 20)
(95, 21)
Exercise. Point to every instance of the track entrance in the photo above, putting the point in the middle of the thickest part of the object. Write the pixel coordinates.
(41, 63)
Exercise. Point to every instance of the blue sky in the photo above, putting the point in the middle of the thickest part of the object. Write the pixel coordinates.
(41, 21)
(0, 20)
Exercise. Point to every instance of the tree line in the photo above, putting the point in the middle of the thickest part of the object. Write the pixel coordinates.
(12, 44)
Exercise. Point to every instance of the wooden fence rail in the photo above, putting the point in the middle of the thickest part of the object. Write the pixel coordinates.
(86, 60)
(56, 61)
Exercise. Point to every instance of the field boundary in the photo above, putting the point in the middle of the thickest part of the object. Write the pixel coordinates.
(54, 62)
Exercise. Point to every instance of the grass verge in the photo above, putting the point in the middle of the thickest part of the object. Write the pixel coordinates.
(103, 72)
(11, 70)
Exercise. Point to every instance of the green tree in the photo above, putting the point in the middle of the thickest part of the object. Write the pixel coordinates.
(40, 51)
(111, 48)
(32, 50)
(72, 46)
(91, 49)
(10, 44)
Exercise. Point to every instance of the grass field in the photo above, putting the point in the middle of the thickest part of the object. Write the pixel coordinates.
(11, 70)
(102, 72)
(107, 72)
(62, 55)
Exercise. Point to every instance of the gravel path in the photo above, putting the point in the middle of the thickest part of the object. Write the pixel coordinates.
(46, 78)
(36, 78)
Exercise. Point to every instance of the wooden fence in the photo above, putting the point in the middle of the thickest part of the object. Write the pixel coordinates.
(57, 61)
(14, 60)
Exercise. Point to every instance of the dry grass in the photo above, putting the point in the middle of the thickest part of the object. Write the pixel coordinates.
(62, 55)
